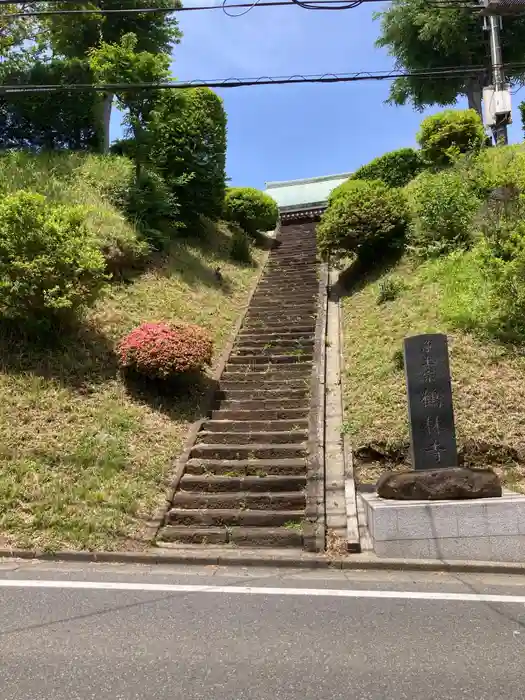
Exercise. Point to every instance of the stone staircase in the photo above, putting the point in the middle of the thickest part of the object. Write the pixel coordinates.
(245, 482)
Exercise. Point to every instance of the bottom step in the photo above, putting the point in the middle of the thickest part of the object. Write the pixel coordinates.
(240, 536)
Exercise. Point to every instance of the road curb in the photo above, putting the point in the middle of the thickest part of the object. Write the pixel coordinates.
(302, 561)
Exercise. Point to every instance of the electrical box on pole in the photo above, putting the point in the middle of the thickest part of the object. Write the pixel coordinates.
(496, 104)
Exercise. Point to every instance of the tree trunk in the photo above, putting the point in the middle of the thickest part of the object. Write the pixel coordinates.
(108, 103)
(474, 96)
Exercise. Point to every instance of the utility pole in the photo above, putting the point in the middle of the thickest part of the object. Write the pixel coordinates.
(496, 97)
(501, 119)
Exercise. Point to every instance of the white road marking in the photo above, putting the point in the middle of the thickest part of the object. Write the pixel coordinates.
(253, 590)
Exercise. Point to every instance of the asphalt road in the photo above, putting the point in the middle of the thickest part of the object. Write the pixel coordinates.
(208, 641)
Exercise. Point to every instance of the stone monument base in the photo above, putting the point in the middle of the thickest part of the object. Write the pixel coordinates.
(484, 529)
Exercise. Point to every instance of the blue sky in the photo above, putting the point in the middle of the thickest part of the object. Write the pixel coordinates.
(295, 131)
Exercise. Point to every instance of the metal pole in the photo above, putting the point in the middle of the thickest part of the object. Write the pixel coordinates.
(500, 129)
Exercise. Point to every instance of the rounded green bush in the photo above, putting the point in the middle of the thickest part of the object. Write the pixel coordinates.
(363, 217)
(444, 136)
(49, 264)
(251, 209)
(395, 169)
(442, 210)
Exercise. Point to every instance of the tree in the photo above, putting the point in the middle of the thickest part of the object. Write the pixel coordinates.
(47, 120)
(123, 63)
(421, 36)
(187, 140)
(155, 33)
(15, 31)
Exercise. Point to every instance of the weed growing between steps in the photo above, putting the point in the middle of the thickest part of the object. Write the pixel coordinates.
(83, 458)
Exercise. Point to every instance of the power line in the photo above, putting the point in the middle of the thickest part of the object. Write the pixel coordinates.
(315, 4)
(441, 73)
(323, 5)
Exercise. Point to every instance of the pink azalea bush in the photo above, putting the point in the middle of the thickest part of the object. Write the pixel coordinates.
(165, 351)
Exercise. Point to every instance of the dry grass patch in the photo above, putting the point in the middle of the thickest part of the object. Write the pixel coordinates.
(83, 460)
(488, 378)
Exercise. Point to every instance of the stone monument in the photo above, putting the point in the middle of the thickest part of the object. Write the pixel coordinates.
(434, 453)
(440, 510)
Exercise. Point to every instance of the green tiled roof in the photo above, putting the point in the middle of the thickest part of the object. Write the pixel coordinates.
(302, 194)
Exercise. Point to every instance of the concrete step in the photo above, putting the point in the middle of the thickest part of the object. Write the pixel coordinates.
(251, 403)
(273, 296)
(240, 536)
(295, 369)
(263, 437)
(243, 426)
(300, 370)
(276, 343)
(262, 337)
(263, 359)
(294, 500)
(306, 288)
(247, 467)
(206, 483)
(286, 283)
(253, 450)
(232, 516)
(251, 327)
(286, 414)
(274, 350)
(284, 319)
(255, 383)
(277, 314)
(263, 395)
(270, 301)
(266, 348)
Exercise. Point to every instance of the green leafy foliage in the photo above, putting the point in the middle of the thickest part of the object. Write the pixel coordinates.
(445, 136)
(422, 36)
(123, 63)
(250, 209)
(187, 143)
(49, 264)
(442, 208)
(100, 185)
(152, 206)
(364, 217)
(165, 351)
(389, 290)
(395, 169)
(45, 121)
(240, 246)
(156, 32)
(15, 32)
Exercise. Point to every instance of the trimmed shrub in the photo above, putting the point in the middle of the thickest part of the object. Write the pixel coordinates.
(251, 209)
(187, 137)
(442, 208)
(364, 218)
(444, 136)
(49, 263)
(165, 351)
(240, 246)
(395, 169)
(99, 184)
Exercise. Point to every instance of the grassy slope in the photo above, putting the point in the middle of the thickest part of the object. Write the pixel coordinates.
(488, 378)
(82, 458)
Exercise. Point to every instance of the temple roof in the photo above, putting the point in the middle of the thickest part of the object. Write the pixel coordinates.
(308, 195)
